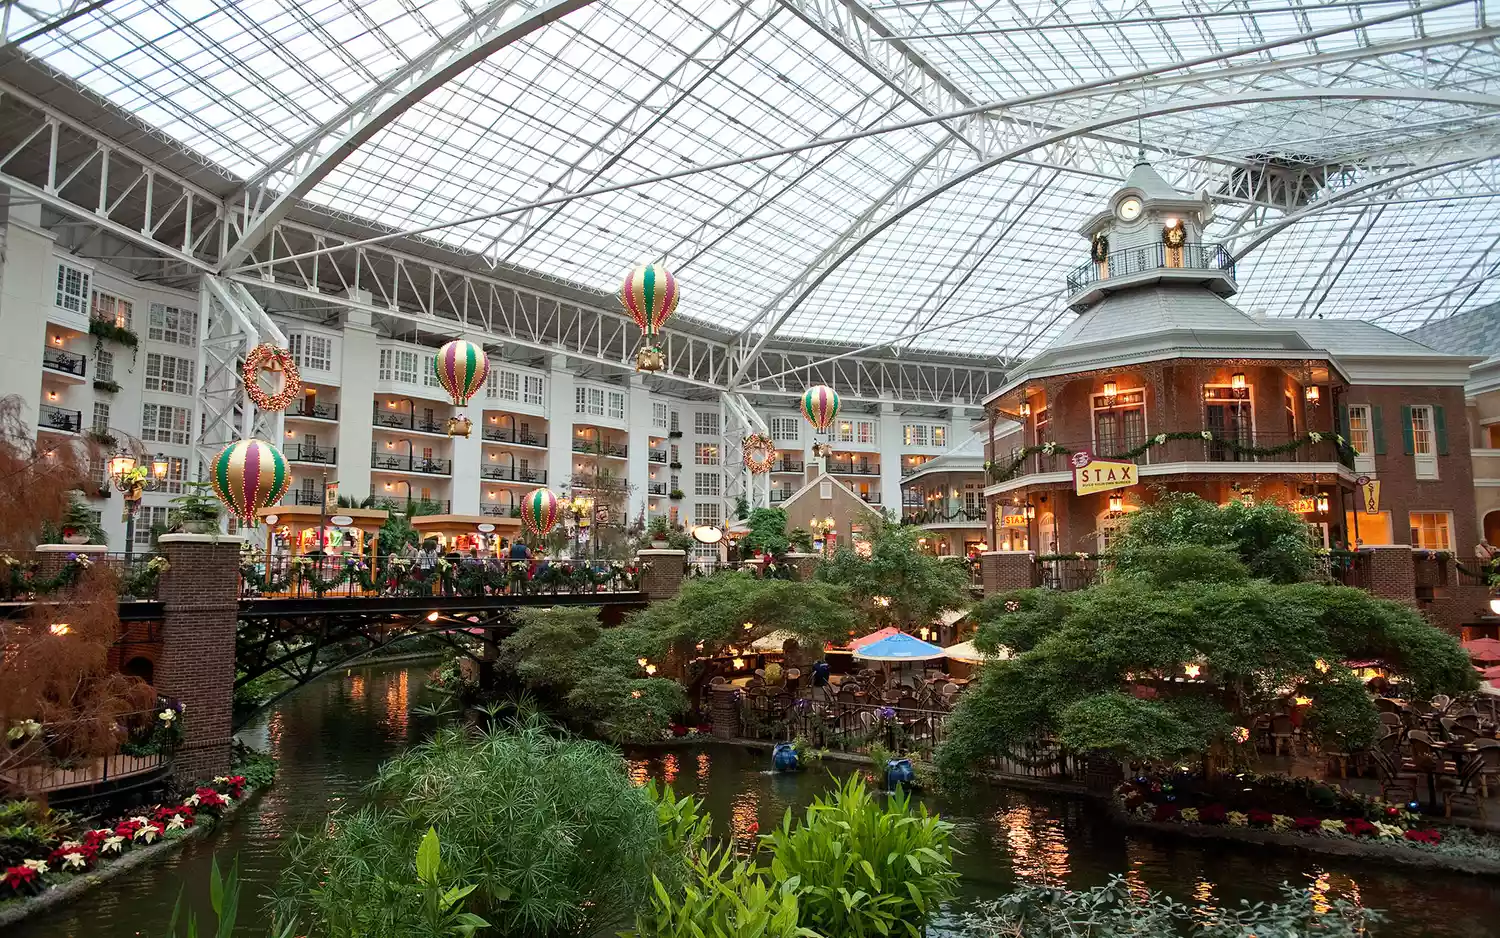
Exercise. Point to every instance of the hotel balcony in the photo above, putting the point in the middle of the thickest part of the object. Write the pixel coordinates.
(501, 511)
(398, 505)
(493, 434)
(848, 467)
(780, 495)
(656, 488)
(402, 463)
(316, 411)
(943, 517)
(388, 419)
(657, 455)
(58, 419)
(63, 362)
(321, 455)
(788, 465)
(1209, 264)
(513, 474)
(596, 448)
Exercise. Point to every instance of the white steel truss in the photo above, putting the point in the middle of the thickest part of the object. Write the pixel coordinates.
(230, 324)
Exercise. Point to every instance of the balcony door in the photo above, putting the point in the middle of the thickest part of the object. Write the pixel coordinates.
(1119, 422)
(1229, 414)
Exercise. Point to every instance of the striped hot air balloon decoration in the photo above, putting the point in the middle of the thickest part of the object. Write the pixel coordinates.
(461, 369)
(820, 405)
(539, 511)
(649, 295)
(249, 475)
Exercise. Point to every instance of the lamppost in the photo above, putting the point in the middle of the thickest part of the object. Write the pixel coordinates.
(581, 507)
(130, 480)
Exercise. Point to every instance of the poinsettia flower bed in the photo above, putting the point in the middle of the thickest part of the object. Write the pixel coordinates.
(141, 828)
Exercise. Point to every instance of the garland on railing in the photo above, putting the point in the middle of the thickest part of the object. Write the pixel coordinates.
(936, 516)
(1009, 471)
(399, 576)
(23, 578)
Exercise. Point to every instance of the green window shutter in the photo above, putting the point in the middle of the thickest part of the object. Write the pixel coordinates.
(1409, 447)
(1440, 430)
(1377, 429)
(1341, 421)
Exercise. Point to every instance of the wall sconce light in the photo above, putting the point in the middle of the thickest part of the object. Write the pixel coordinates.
(51, 395)
(1025, 409)
(57, 340)
(1237, 381)
(388, 486)
(1030, 512)
(1109, 389)
(1314, 394)
(1322, 504)
(159, 466)
(1116, 504)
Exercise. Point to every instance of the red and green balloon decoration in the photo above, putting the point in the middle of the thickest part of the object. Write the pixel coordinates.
(249, 475)
(539, 511)
(649, 295)
(820, 405)
(461, 369)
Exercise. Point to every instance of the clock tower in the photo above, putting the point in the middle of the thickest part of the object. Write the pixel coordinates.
(1148, 232)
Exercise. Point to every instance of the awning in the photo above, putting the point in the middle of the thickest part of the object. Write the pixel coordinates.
(966, 652)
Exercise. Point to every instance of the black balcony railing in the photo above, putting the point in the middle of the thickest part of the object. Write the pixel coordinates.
(1157, 256)
(941, 515)
(513, 474)
(598, 448)
(788, 465)
(869, 498)
(59, 418)
(401, 420)
(1226, 446)
(657, 455)
(315, 410)
(1067, 573)
(501, 511)
(656, 488)
(60, 359)
(848, 467)
(909, 468)
(780, 495)
(282, 577)
(398, 505)
(300, 497)
(401, 463)
(493, 434)
(301, 452)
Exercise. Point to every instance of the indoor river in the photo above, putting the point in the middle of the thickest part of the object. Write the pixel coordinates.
(330, 736)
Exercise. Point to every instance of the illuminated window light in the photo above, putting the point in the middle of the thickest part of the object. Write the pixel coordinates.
(1313, 394)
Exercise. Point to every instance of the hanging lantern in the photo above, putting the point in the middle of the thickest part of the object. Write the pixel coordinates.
(539, 511)
(820, 405)
(760, 453)
(649, 295)
(461, 369)
(250, 475)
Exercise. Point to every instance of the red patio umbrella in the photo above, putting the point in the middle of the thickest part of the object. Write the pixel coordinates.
(1492, 673)
(1483, 649)
(888, 631)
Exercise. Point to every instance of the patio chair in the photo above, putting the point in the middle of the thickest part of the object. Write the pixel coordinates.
(1283, 732)
(1455, 789)
(1392, 723)
(1441, 702)
(1395, 787)
(1489, 757)
(1387, 705)
(1469, 719)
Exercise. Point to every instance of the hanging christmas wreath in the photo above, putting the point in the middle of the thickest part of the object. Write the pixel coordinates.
(1100, 250)
(760, 453)
(266, 357)
(1174, 235)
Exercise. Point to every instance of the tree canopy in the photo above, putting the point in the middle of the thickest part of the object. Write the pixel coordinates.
(897, 583)
(1183, 643)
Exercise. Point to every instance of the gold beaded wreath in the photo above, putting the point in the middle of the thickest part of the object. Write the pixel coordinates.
(760, 453)
(267, 357)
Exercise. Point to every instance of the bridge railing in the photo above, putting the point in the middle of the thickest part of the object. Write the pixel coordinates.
(43, 764)
(26, 576)
(401, 576)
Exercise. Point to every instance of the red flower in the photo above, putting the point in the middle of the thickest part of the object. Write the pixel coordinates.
(1307, 824)
(1166, 812)
(678, 729)
(208, 798)
(1424, 837)
(1212, 814)
(1261, 818)
(1358, 827)
(18, 876)
(127, 829)
(705, 728)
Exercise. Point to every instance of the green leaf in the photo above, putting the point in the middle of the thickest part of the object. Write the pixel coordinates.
(428, 857)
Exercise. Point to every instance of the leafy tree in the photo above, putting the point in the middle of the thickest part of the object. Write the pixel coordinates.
(767, 531)
(1099, 669)
(716, 609)
(77, 518)
(897, 583)
(550, 831)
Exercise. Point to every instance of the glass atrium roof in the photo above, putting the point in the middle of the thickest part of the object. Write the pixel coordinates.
(1374, 119)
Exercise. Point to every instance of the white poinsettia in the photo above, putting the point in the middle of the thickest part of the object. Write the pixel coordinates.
(1207, 434)
(1389, 830)
(1315, 436)
(1160, 439)
(113, 844)
(148, 833)
(191, 801)
(73, 861)
(167, 716)
(139, 819)
(177, 823)
(39, 865)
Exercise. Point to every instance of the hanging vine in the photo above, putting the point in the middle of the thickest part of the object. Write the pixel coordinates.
(1007, 471)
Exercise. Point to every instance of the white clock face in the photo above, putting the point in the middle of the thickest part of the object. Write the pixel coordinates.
(1129, 210)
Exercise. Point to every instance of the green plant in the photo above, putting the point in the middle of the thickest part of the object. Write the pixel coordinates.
(442, 912)
(659, 528)
(105, 329)
(550, 831)
(914, 586)
(678, 539)
(1120, 910)
(767, 531)
(224, 898)
(196, 506)
(725, 899)
(78, 519)
(258, 768)
(864, 868)
(103, 437)
(676, 495)
(112, 388)
(349, 501)
(741, 507)
(800, 541)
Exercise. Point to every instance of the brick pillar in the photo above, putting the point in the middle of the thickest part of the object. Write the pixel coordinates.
(803, 565)
(725, 709)
(664, 571)
(1004, 570)
(51, 558)
(1392, 574)
(200, 594)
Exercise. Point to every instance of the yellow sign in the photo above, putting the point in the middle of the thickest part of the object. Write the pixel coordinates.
(1013, 521)
(1369, 496)
(1305, 506)
(330, 496)
(1101, 475)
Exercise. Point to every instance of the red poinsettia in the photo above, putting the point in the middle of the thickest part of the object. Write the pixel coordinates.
(1308, 824)
(1212, 814)
(1261, 818)
(127, 829)
(21, 877)
(1424, 837)
(208, 798)
(1359, 827)
(1166, 812)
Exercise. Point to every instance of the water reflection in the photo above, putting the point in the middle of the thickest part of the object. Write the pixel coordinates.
(1038, 846)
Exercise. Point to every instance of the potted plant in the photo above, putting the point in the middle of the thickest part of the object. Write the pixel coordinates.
(195, 511)
(674, 465)
(676, 495)
(679, 539)
(77, 525)
(801, 541)
(659, 531)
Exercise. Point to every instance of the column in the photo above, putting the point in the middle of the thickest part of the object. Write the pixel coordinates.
(662, 573)
(200, 595)
(1004, 570)
(468, 452)
(357, 376)
(26, 293)
(560, 401)
(638, 430)
(1392, 573)
(891, 447)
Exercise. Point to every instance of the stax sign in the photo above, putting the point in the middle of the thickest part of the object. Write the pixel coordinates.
(1369, 494)
(1100, 475)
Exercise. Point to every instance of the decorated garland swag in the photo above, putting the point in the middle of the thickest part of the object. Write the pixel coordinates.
(1009, 471)
(760, 453)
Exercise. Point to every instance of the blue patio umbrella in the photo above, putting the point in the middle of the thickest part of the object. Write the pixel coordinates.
(899, 647)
